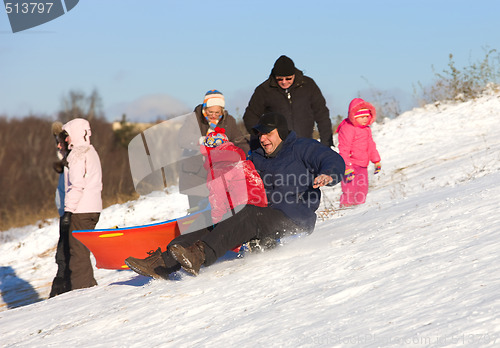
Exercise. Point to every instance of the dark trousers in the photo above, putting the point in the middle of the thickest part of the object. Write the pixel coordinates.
(62, 281)
(62, 252)
(82, 273)
(249, 223)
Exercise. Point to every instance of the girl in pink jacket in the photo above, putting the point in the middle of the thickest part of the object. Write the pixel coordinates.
(357, 148)
(82, 203)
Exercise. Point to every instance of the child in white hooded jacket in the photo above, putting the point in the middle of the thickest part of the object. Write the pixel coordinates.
(83, 203)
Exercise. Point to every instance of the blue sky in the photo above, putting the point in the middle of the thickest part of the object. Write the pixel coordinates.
(148, 57)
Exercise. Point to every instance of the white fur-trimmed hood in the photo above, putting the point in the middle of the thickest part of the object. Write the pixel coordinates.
(79, 132)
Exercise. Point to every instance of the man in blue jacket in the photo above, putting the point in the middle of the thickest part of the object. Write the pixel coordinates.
(292, 170)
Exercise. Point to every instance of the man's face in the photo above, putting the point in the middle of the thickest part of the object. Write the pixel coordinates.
(270, 141)
(285, 81)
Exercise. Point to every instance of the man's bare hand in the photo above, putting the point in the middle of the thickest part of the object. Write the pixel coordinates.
(322, 180)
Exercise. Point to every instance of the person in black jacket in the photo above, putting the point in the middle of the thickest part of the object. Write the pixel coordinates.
(289, 92)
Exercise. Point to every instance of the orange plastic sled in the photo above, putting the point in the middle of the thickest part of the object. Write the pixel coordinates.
(112, 246)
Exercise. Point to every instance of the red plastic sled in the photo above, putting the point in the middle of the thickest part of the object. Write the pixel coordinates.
(112, 246)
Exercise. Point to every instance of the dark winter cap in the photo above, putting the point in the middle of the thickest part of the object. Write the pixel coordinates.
(270, 121)
(283, 66)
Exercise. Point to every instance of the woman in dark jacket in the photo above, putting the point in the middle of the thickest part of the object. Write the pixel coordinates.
(210, 114)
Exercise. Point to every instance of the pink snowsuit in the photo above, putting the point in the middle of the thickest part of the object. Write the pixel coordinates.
(357, 148)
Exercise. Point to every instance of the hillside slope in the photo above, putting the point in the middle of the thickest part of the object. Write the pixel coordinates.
(417, 265)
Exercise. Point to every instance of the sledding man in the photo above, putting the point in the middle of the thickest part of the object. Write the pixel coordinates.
(292, 170)
(232, 182)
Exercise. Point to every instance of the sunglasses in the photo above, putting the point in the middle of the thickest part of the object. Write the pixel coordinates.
(279, 79)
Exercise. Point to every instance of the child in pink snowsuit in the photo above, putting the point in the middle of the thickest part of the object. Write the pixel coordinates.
(357, 148)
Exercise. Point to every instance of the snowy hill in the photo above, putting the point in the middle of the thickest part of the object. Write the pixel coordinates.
(417, 265)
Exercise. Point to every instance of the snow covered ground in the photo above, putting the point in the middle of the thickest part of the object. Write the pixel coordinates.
(417, 265)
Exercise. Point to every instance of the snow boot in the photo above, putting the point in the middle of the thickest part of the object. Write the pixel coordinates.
(152, 266)
(190, 258)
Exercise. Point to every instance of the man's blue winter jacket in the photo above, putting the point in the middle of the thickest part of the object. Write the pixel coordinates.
(288, 178)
